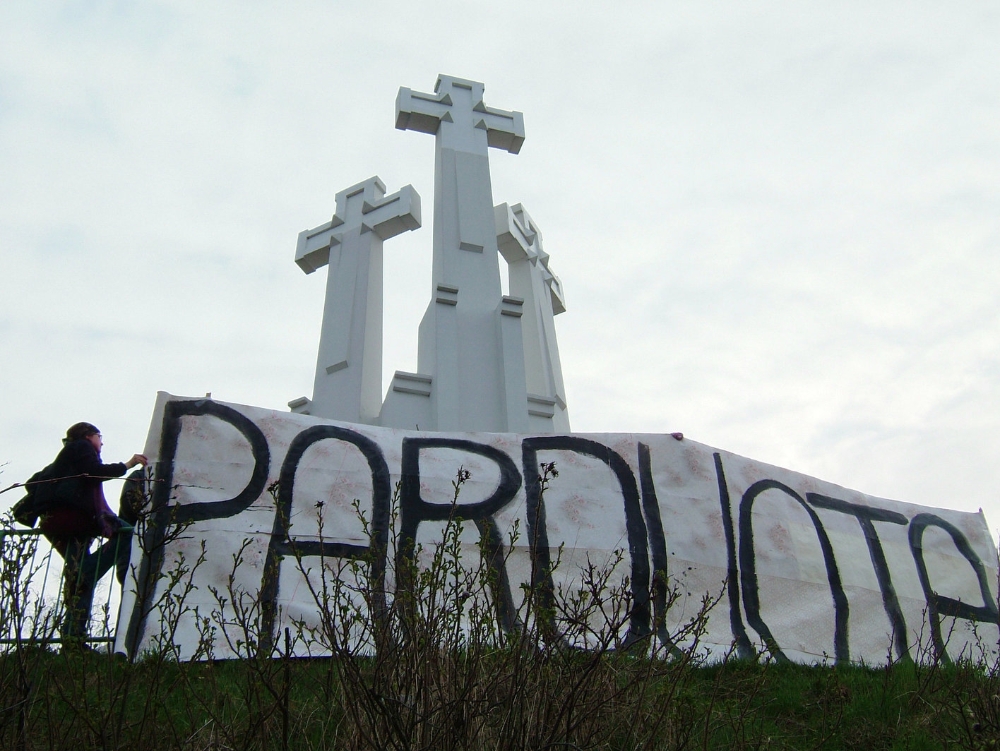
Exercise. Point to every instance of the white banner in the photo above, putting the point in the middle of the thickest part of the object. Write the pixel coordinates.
(801, 568)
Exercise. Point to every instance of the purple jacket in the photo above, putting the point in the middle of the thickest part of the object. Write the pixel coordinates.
(89, 515)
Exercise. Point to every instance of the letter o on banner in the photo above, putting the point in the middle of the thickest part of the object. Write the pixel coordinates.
(748, 573)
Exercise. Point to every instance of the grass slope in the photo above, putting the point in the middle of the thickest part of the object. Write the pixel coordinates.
(95, 701)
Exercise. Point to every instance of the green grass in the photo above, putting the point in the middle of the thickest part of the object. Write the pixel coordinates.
(95, 701)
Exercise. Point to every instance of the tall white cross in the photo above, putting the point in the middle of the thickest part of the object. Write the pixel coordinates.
(348, 383)
(464, 381)
(531, 279)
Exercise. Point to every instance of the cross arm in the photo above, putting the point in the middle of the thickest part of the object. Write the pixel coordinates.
(421, 112)
(393, 214)
(553, 283)
(313, 248)
(514, 239)
(556, 288)
(504, 130)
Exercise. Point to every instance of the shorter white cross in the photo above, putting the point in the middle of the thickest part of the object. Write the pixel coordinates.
(348, 383)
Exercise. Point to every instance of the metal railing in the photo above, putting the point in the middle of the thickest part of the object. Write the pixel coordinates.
(32, 593)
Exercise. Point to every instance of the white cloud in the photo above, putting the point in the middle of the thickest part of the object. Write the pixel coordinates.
(777, 227)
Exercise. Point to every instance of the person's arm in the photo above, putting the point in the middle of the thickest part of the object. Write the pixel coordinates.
(82, 459)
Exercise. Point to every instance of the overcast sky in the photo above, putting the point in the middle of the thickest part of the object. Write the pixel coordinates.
(777, 224)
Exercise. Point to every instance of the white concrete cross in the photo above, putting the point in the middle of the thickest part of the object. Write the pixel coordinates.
(348, 383)
(520, 242)
(465, 379)
(456, 113)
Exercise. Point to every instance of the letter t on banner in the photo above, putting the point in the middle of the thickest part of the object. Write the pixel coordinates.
(348, 383)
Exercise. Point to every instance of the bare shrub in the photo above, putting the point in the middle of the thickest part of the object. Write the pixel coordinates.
(436, 669)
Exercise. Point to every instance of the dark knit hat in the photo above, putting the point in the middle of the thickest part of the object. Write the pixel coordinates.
(80, 430)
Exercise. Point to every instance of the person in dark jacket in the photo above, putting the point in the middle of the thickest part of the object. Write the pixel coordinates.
(75, 522)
